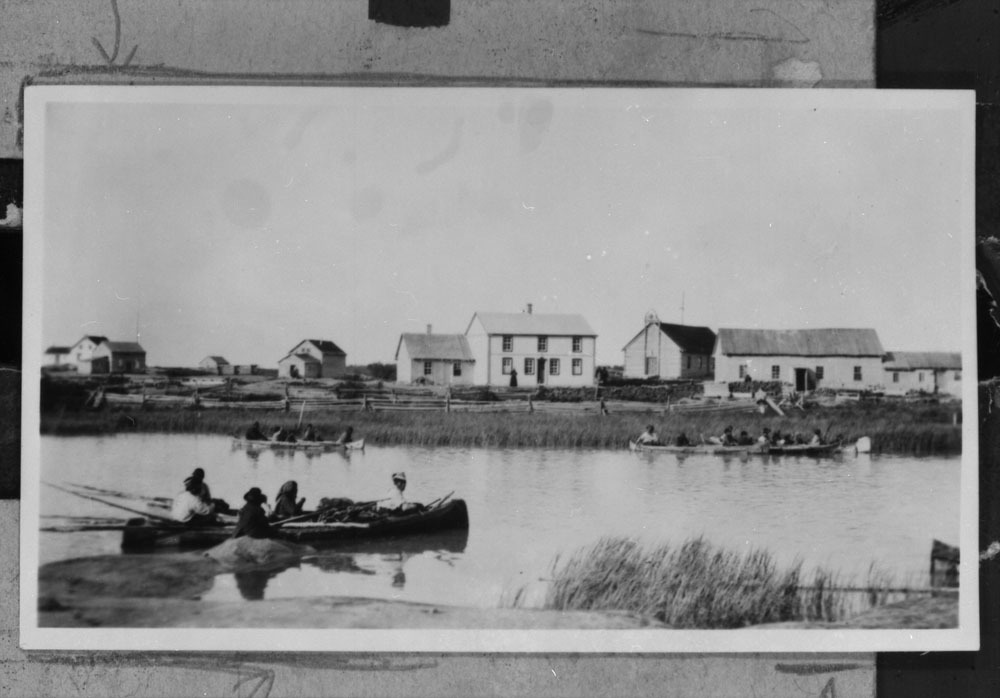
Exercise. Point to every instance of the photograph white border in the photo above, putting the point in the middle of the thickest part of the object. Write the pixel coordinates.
(965, 637)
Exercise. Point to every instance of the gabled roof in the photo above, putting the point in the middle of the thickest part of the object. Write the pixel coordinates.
(217, 359)
(533, 324)
(305, 358)
(927, 360)
(57, 350)
(124, 347)
(690, 339)
(94, 338)
(325, 346)
(429, 347)
(819, 342)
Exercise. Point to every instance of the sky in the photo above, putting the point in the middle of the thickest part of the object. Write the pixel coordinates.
(236, 222)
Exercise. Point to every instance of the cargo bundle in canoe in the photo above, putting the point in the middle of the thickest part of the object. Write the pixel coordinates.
(251, 445)
(146, 534)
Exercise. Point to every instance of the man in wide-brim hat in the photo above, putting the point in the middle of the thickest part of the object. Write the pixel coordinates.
(253, 520)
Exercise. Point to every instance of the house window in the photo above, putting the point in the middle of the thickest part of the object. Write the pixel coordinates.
(508, 342)
(819, 373)
(857, 373)
(543, 344)
(577, 345)
(577, 367)
(456, 368)
(428, 368)
(958, 375)
(711, 363)
(895, 376)
(529, 367)
(743, 371)
(920, 376)
(507, 366)
(689, 360)
(775, 373)
(553, 367)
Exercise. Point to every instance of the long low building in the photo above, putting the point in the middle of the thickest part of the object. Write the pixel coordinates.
(938, 372)
(808, 359)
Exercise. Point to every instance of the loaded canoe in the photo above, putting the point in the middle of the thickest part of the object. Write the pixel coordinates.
(145, 534)
(756, 449)
(250, 444)
(699, 448)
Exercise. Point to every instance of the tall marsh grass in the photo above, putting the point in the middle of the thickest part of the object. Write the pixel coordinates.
(909, 429)
(697, 585)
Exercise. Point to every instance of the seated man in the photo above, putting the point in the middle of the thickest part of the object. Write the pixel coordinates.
(190, 508)
(253, 520)
(310, 434)
(648, 437)
(396, 501)
(254, 433)
(683, 440)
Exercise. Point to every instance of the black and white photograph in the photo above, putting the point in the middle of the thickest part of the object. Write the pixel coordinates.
(506, 370)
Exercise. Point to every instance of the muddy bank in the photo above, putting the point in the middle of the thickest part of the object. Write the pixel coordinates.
(164, 590)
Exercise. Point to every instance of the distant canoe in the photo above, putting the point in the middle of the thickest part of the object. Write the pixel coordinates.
(250, 444)
(717, 449)
(755, 449)
(451, 515)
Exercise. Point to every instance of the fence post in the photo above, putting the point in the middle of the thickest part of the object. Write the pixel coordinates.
(531, 404)
(364, 404)
(447, 402)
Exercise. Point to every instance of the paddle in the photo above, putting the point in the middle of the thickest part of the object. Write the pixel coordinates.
(112, 504)
(439, 501)
(121, 495)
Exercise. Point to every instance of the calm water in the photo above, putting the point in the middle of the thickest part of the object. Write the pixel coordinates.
(527, 506)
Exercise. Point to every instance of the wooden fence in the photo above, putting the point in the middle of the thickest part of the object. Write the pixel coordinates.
(389, 401)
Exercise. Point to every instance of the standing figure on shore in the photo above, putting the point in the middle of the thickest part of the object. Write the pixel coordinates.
(513, 377)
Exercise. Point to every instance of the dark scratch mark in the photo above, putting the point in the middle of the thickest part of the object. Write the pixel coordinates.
(809, 669)
(892, 11)
(738, 35)
(118, 39)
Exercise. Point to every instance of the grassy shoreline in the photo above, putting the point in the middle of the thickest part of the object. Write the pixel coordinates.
(905, 429)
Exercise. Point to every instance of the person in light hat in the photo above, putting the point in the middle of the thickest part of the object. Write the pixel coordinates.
(396, 501)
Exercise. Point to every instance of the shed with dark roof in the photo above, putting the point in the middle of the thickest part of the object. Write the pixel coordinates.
(331, 360)
(118, 357)
(937, 372)
(669, 351)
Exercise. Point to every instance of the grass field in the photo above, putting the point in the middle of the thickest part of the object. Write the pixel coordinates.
(918, 429)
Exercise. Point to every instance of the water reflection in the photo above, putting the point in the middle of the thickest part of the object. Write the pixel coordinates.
(373, 558)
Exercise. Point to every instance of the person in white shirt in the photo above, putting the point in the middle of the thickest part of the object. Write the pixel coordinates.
(396, 501)
(190, 508)
(649, 437)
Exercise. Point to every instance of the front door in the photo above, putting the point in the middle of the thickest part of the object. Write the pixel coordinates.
(805, 380)
(541, 371)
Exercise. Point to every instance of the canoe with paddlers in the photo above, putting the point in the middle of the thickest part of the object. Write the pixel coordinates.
(443, 515)
(249, 444)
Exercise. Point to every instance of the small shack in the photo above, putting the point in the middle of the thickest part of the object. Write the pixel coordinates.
(213, 364)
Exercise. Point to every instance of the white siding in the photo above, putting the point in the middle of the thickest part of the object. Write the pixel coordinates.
(404, 366)
(838, 371)
(480, 347)
(908, 380)
(652, 343)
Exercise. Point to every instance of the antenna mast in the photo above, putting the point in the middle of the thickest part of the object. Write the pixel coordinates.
(682, 307)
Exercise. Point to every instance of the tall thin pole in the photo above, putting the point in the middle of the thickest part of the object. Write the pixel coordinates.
(682, 307)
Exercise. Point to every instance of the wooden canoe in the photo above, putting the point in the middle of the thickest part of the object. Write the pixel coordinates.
(451, 515)
(716, 449)
(251, 445)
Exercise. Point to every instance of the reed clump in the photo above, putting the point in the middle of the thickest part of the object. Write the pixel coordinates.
(698, 585)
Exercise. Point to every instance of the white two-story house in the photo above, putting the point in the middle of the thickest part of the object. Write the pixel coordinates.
(540, 349)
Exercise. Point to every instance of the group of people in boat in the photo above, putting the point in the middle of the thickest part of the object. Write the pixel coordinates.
(649, 437)
(286, 435)
(195, 506)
